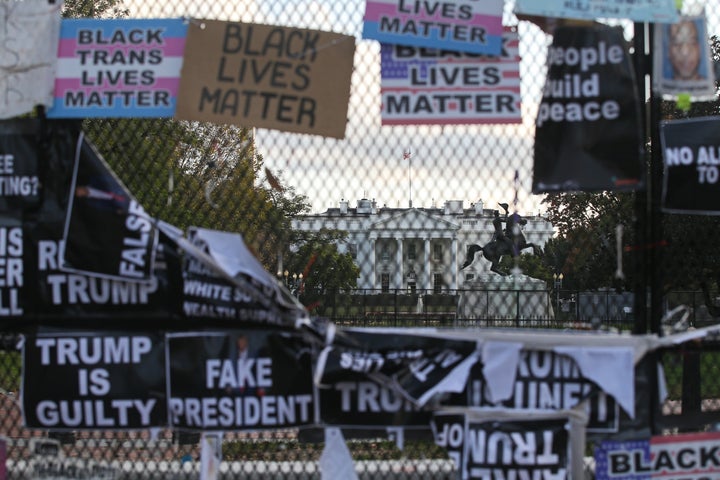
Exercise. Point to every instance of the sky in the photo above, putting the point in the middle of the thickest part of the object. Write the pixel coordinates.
(458, 162)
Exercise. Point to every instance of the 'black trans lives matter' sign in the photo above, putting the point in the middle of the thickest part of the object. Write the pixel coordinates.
(587, 133)
(109, 381)
(691, 152)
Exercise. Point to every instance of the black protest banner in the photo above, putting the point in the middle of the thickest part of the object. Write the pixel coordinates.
(20, 159)
(91, 380)
(242, 380)
(525, 446)
(223, 280)
(545, 380)
(587, 134)
(357, 401)
(416, 365)
(107, 233)
(517, 449)
(32, 175)
(691, 153)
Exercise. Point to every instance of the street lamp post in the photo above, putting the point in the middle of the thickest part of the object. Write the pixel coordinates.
(557, 278)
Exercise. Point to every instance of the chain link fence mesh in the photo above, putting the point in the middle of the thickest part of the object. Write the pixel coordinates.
(256, 182)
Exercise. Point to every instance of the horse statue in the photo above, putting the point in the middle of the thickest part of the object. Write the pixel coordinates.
(495, 249)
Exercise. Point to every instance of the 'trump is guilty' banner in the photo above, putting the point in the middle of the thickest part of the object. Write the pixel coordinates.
(94, 381)
(587, 135)
(247, 380)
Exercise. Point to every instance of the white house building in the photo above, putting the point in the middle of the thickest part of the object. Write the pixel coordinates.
(415, 248)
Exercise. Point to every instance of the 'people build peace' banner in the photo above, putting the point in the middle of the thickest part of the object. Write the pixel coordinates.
(587, 134)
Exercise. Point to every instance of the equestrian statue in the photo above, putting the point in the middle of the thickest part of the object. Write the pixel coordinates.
(506, 241)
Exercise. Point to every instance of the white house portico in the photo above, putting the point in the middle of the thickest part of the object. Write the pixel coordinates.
(414, 248)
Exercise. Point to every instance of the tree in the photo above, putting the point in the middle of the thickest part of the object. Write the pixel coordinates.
(325, 271)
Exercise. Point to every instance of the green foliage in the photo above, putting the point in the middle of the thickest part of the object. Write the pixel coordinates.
(190, 174)
(585, 250)
(94, 9)
(325, 271)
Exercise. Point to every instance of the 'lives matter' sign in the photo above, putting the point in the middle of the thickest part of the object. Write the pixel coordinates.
(431, 86)
(290, 79)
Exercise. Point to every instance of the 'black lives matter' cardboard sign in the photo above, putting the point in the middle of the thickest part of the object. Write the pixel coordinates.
(587, 135)
(691, 154)
(108, 381)
(289, 79)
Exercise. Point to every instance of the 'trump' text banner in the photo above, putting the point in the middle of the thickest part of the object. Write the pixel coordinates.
(118, 68)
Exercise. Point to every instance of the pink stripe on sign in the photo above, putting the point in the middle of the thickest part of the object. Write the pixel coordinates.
(375, 10)
(74, 84)
(172, 47)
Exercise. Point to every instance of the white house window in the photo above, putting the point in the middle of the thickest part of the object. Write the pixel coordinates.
(412, 251)
(352, 250)
(385, 254)
(437, 252)
(385, 282)
(437, 283)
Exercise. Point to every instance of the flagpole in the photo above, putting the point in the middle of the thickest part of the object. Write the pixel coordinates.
(408, 154)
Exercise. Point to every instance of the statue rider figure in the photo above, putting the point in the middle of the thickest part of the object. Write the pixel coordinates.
(499, 235)
(512, 234)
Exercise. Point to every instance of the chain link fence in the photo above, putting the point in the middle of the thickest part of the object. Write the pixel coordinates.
(256, 182)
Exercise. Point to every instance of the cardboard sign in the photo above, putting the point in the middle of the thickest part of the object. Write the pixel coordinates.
(636, 10)
(587, 135)
(108, 381)
(285, 78)
(460, 25)
(118, 68)
(243, 380)
(428, 86)
(691, 153)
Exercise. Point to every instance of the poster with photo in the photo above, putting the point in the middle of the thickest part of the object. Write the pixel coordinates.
(682, 62)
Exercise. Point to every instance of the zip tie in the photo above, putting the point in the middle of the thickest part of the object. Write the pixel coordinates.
(618, 242)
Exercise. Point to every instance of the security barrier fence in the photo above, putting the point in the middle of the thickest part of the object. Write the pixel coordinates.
(608, 261)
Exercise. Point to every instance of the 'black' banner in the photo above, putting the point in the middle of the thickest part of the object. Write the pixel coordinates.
(691, 152)
(587, 133)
